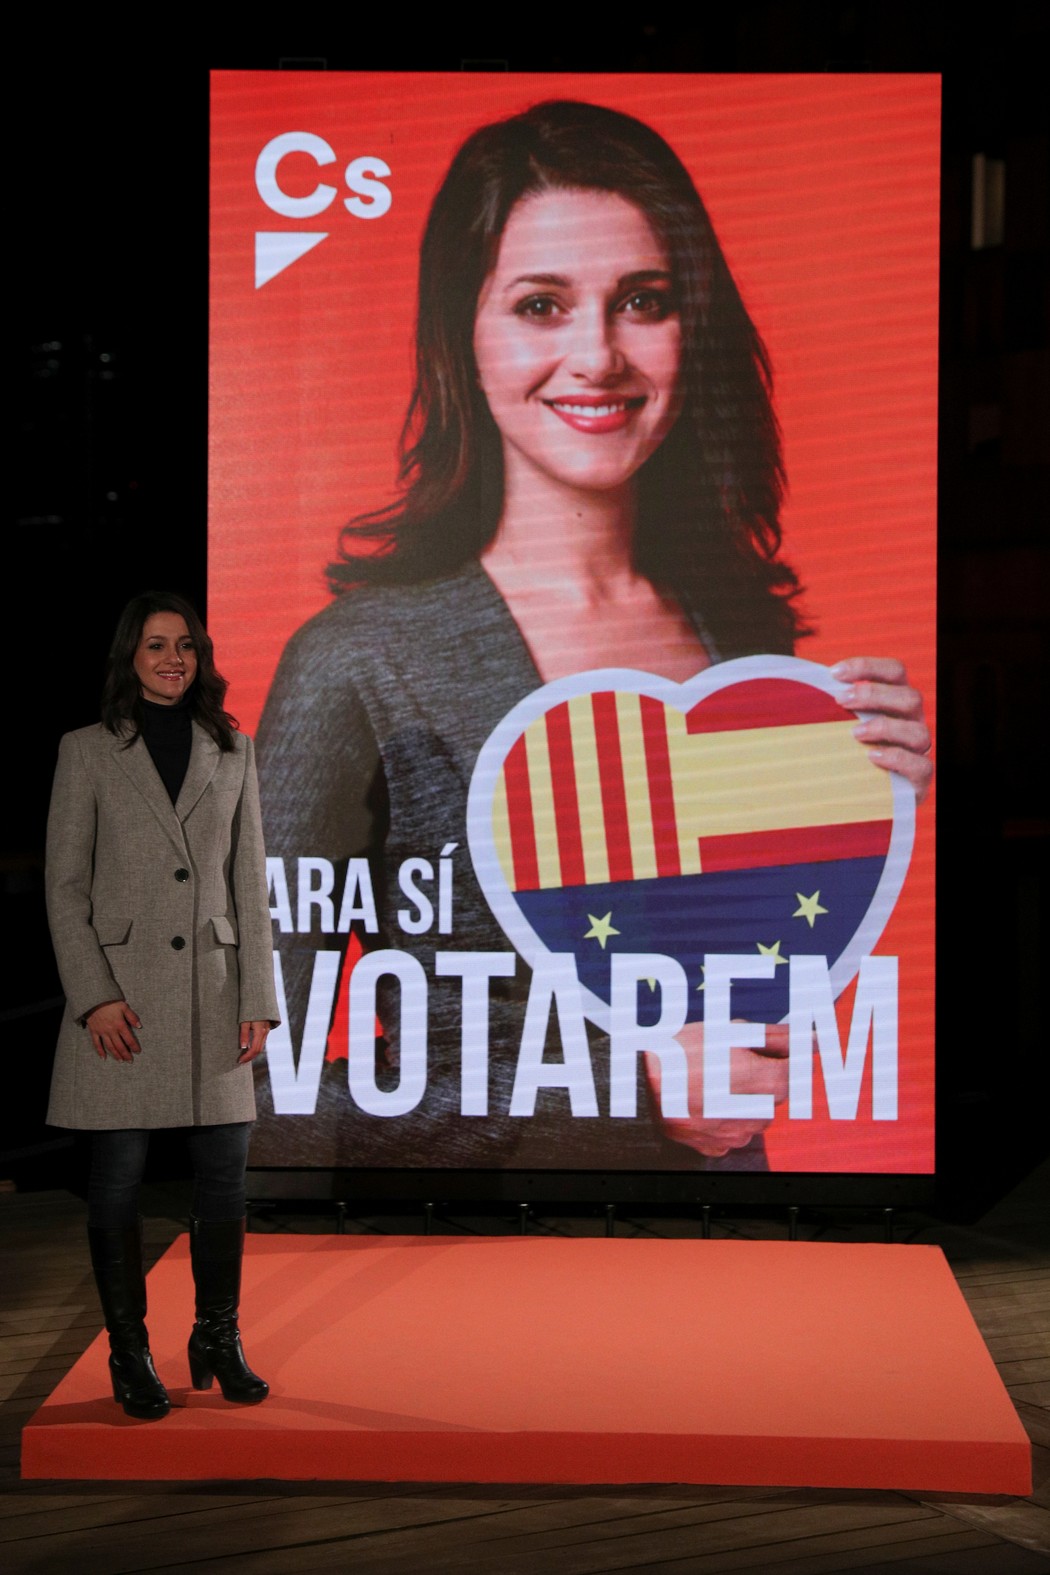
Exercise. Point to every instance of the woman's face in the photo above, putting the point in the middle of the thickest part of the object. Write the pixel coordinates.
(578, 341)
(166, 660)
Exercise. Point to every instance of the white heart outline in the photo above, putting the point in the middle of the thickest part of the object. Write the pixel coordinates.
(680, 697)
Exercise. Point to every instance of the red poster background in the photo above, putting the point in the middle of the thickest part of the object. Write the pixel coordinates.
(824, 194)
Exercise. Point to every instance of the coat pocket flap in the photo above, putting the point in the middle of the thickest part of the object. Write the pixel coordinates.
(112, 929)
(225, 933)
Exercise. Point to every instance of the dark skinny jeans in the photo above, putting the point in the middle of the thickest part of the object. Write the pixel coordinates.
(118, 1158)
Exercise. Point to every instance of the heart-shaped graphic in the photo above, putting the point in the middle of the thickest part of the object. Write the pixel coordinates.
(615, 811)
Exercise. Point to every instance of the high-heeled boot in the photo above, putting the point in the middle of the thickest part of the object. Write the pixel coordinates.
(216, 1249)
(116, 1257)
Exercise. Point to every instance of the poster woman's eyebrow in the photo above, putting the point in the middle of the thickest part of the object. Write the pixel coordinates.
(624, 282)
(558, 280)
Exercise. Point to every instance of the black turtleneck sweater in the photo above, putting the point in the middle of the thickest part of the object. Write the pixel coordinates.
(167, 731)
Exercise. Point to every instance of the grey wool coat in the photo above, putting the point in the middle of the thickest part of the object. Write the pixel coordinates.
(165, 907)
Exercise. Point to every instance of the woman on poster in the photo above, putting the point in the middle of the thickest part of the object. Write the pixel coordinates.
(592, 479)
(157, 905)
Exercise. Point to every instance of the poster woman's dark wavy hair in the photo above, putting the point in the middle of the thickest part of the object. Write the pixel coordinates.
(708, 499)
(122, 691)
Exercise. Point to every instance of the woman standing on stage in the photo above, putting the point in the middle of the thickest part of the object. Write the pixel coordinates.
(157, 905)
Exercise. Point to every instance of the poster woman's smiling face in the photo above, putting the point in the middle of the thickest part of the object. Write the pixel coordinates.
(578, 341)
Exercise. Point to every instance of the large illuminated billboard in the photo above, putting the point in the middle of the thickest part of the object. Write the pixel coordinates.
(568, 435)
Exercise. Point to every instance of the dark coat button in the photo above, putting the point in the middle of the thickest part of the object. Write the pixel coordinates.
(182, 874)
(178, 942)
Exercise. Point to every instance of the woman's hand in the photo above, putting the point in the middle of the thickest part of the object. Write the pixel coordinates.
(751, 1072)
(111, 1028)
(897, 731)
(252, 1041)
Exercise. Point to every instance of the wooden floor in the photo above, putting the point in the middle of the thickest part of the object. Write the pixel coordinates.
(48, 1314)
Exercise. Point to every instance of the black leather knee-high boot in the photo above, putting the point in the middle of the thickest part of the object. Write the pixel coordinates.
(116, 1257)
(216, 1249)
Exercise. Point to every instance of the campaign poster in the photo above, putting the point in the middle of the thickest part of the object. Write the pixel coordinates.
(567, 433)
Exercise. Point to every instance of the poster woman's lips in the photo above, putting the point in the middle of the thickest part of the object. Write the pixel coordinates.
(595, 413)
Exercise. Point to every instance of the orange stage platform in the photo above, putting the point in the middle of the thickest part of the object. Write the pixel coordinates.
(530, 1359)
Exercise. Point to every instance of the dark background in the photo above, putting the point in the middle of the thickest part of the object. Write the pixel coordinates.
(106, 181)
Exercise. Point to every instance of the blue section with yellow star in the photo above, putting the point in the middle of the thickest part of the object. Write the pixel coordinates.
(776, 911)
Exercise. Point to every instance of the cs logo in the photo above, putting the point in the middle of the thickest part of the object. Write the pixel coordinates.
(276, 250)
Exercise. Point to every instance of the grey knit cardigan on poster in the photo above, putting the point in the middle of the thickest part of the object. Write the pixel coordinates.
(376, 716)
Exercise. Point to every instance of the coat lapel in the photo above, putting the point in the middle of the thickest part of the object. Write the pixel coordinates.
(204, 762)
(136, 764)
